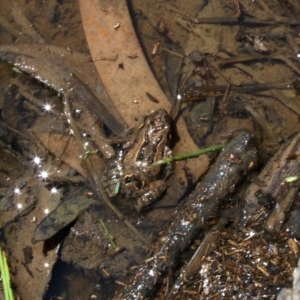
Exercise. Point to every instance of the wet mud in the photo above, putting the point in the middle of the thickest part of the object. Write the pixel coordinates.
(236, 66)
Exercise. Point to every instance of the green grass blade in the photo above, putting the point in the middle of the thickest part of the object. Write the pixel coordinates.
(3, 276)
(8, 294)
(108, 235)
(188, 155)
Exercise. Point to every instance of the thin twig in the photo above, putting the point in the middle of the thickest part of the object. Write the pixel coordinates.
(94, 178)
(172, 52)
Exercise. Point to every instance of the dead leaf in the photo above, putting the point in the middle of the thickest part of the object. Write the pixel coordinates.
(110, 34)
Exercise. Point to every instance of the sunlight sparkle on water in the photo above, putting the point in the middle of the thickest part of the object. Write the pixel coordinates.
(44, 174)
(19, 205)
(37, 160)
(47, 107)
(17, 191)
(54, 190)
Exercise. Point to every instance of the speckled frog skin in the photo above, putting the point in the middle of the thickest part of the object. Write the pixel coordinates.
(131, 173)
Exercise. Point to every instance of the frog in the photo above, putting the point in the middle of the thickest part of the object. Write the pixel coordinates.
(131, 172)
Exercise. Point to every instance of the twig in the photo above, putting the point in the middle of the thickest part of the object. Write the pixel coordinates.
(26, 27)
(195, 92)
(94, 178)
(238, 12)
(225, 96)
(232, 21)
(293, 44)
(203, 251)
(246, 21)
(289, 103)
(172, 52)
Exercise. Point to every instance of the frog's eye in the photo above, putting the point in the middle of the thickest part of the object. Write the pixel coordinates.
(128, 179)
(140, 156)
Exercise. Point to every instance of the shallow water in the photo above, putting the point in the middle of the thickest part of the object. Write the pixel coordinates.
(87, 263)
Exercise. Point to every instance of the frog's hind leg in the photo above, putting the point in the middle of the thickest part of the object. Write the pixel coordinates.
(150, 194)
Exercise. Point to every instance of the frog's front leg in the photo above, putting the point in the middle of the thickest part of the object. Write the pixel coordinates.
(149, 194)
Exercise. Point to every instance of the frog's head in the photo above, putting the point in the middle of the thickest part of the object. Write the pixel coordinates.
(158, 127)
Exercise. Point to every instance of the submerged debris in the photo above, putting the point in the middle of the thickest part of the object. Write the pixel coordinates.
(294, 292)
(63, 215)
(190, 218)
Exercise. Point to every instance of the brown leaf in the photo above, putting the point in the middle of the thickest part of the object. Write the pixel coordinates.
(110, 34)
